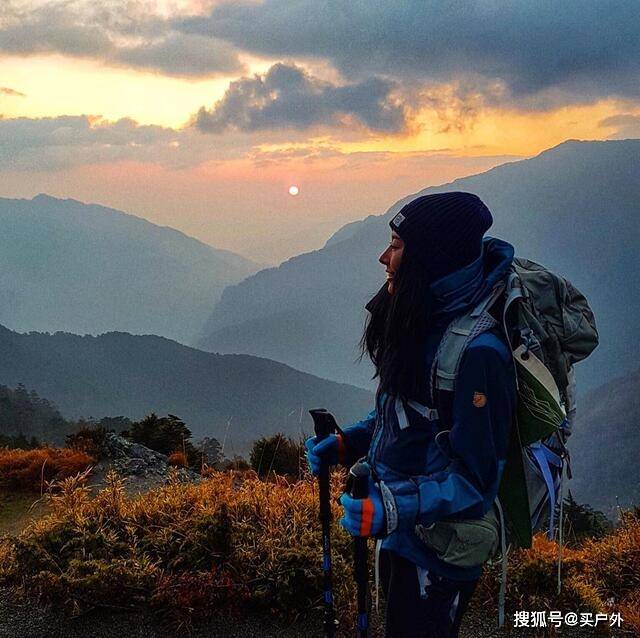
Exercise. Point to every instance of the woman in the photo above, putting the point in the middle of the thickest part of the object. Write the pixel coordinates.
(429, 467)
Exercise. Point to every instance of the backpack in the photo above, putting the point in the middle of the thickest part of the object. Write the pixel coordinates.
(549, 327)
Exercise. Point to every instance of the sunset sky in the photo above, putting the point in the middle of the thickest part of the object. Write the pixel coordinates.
(202, 114)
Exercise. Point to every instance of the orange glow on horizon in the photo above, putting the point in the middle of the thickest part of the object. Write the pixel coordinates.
(56, 85)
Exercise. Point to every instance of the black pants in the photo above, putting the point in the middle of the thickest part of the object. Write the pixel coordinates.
(436, 614)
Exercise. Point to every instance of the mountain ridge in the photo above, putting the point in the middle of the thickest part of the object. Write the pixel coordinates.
(45, 197)
(573, 207)
(132, 375)
(605, 446)
(87, 268)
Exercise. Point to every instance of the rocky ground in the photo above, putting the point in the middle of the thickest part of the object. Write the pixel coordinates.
(141, 468)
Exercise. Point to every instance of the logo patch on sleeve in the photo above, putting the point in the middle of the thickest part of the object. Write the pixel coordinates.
(479, 399)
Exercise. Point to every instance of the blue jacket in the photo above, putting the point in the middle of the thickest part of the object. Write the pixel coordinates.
(422, 481)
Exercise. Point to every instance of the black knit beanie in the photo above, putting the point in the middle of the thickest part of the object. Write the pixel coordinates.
(443, 231)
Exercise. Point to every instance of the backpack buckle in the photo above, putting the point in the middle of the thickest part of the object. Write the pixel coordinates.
(530, 342)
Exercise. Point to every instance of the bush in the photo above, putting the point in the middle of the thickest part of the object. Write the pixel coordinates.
(31, 469)
(19, 442)
(278, 454)
(166, 435)
(89, 440)
(185, 550)
(583, 522)
(177, 459)
(601, 576)
(236, 463)
(236, 542)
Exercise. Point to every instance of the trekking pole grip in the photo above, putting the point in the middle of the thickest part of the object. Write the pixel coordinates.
(358, 483)
(324, 423)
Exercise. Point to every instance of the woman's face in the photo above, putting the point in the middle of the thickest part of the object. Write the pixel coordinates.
(391, 259)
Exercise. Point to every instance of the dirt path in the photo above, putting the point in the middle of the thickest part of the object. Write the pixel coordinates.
(20, 620)
(17, 510)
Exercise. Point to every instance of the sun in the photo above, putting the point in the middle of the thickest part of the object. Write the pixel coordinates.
(293, 190)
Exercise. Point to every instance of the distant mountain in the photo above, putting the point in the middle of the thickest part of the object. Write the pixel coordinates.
(574, 208)
(605, 446)
(83, 268)
(122, 374)
(25, 414)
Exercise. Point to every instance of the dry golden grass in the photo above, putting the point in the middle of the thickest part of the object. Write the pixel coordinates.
(601, 576)
(234, 542)
(229, 542)
(31, 469)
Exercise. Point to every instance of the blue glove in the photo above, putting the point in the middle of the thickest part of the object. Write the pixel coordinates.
(365, 516)
(329, 451)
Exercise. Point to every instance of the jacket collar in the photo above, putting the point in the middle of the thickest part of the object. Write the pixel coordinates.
(462, 289)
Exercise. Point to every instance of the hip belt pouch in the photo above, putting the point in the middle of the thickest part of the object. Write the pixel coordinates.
(460, 542)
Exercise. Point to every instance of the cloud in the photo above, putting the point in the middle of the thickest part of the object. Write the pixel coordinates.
(294, 154)
(53, 28)
(64, 142)
(11, 92)
(287, 97)
(627, 125)
(118, 32)
(583, 49)
(59, 142)
(181, 55)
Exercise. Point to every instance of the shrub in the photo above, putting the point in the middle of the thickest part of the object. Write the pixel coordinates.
(583, 522)
(601, 576)
(166, 435)
(20, 442)
(234, 541)
(278, 454)
(236, 463)
(177, 459)
(31, 469)
(89, 440)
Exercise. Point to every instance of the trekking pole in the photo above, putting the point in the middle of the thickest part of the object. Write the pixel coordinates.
(324, 425)
(358, 488)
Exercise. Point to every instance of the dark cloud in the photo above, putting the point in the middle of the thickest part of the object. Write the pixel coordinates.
(122, 32)
(288, 97)
(182, 55)
(586, 49)
(56, 27)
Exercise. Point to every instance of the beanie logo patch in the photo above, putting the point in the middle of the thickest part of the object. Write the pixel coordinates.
(398, 219)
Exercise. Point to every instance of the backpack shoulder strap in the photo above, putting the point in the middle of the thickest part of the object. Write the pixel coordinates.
(456, 339)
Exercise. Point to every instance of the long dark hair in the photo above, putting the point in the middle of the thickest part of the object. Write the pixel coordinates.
(395, 332)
